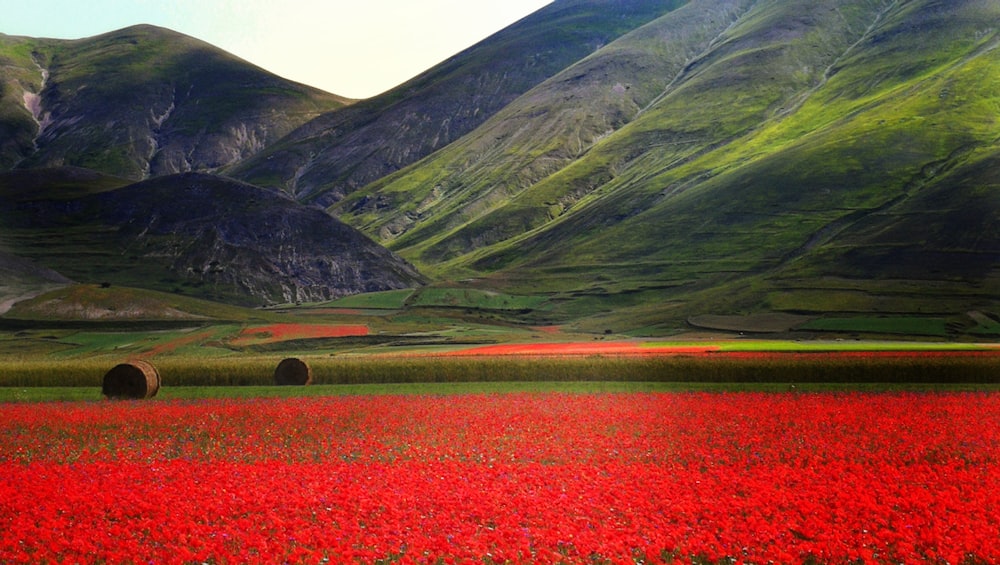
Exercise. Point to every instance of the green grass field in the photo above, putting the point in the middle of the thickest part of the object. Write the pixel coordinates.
(899, 325)
(93, 394)
(385, 300)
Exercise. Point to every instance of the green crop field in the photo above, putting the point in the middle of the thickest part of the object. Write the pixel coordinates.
(886, 325)
(83, 394)
(385, 300)
(754, 365)
(466, 298)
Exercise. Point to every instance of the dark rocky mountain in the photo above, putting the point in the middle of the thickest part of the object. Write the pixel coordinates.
(203, 235)
(141, 102)
(80, 120)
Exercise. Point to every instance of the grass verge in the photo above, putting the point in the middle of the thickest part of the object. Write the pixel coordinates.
(84, 394)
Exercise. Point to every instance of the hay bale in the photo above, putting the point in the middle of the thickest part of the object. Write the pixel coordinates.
(293, 371)
(135, 379)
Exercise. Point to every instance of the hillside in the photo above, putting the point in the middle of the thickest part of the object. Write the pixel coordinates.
(21, 279)
(527, 145)
(346, 149)
(200, 235)
(723, 154)
(141, 102)
(85, 303)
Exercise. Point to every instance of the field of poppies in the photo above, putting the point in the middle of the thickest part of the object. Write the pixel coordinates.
(505, 478)
(283, 332)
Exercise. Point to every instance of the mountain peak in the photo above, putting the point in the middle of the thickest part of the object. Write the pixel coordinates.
(144, 101)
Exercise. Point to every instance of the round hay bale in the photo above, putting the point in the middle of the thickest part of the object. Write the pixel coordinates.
(293, 371)
(135, 379)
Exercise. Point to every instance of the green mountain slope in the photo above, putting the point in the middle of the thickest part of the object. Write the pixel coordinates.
(534, 140)
(349, 148)
(141, 102)
(20, 84)
(788, 140)
(56, 182)
(110, 303)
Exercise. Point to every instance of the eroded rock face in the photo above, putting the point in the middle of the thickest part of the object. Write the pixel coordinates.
(21, 279)
(173, 153)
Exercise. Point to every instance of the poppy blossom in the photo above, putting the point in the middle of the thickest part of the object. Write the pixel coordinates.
(513, 478)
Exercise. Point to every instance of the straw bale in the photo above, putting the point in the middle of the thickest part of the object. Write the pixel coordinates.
(135, 379)
(293, 371)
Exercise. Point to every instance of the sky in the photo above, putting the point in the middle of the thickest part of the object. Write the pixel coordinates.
(354, 48)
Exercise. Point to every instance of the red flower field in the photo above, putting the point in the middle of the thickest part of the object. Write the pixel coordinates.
(513, 478)
(283, 332)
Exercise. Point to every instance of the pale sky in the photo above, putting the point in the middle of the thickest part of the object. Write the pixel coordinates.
(355, 48)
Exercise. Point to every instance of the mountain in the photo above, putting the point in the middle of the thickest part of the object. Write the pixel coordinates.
(141, 102)
(346, 149)
(202, 235)
(634, 165)
(81, 121)
(737, 156)
(531, 141)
